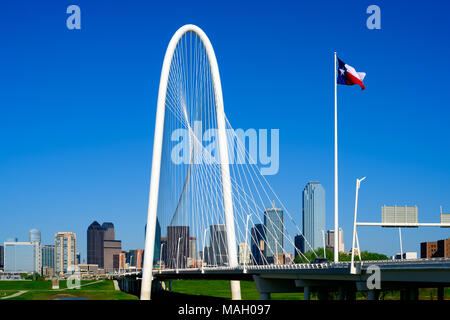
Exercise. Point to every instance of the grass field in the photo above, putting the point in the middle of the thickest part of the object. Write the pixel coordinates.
(42, 290)
(221, 289)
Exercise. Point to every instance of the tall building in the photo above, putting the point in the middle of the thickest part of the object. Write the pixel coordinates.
(177, 246)
(108, 231)
(244, 253)
(48, 260)
(157, 246)
(258, 239)
(111, 248)
(48, 256)
(35, 237)
(2, 254)
(313, 215)
(193, 248)
(218, 244)
(65, 251)
(122, 260)
(274, 230)
(20, 257)
(299, 243)
(435, 249)
(329, 240)
(139, 258)
(163, 252)
(95, 238)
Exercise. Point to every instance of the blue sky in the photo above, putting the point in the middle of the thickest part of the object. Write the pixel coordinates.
(78, 107)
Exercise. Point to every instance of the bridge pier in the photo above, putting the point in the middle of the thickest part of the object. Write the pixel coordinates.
(410, 293)
(373, 294)
(440, 293)
(306, 293)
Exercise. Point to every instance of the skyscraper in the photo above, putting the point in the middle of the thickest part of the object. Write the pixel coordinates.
(329, 240)
(111, 247)
(274, 231)
(65, 251)
(244, 253)
(2, 257)
(258, 239)
(157, 246)
(35, 237)
(177, 246)
(108, 231)
(48, 256)
(218, 244)
(313, 215)
(299, 244)
(95, 247)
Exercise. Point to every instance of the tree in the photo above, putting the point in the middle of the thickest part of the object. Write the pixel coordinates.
(311, 255)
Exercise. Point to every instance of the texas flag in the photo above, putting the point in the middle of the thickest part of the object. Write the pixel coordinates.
(347, 75)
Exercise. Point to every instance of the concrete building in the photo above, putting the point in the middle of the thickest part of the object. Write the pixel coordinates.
(313, 215)
(193, 248)
(20, 257)
(108, 231)
(435, 249)
(134, 258)
(35, 237)
(65, 251)
(218, 244)
(112, 250)
(329, 240)
(244, 253)
(122, 260)
(405, 256)
(48, 259)
(177, 246)
(274, 232)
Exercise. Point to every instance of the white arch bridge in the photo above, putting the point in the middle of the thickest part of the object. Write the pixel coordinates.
(211, 213)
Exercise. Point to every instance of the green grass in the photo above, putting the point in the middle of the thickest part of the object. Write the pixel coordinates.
(41, 290)
(221, 289)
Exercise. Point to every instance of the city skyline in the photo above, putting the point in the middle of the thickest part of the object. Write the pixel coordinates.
(86, 157)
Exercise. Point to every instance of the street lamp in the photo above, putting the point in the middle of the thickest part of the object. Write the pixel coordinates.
(178, 251)
(203, 253)
(160, 257)
(246, 239)
(323, 236)
(352, 267)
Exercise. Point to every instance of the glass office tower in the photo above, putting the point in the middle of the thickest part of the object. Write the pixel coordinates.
(313, 215)
(274, 232)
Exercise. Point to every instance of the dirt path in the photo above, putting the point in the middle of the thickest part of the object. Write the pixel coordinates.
(15, 294)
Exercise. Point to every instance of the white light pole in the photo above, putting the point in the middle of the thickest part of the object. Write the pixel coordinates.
(178, 251)
(336, 214)
(160, 257)
(352, 267)
(203, 254)
(401, 245)
(246, 239)
(323, 235)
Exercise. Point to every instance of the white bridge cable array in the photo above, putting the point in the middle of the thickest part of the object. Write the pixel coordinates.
(190, 212)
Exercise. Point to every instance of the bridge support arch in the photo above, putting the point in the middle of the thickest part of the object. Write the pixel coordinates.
(156, 161)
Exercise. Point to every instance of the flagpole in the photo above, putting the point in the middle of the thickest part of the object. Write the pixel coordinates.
(336, 222)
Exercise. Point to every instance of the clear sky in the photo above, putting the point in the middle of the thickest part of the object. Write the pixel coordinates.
(78, 107)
